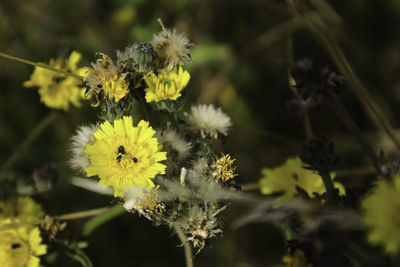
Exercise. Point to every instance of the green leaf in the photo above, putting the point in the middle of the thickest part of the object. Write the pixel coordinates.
(80, 257)
(97, 221)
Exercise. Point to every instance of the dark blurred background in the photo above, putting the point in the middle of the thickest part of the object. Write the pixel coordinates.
(237, 64)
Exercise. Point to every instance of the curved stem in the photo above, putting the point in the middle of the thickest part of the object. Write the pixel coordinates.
(186, 246)
(46, 121)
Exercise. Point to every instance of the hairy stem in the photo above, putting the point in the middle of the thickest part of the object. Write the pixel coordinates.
(186, 246)
(46, 121)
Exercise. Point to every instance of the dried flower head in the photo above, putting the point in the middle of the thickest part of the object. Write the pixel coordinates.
(104, 76)
(20, 246)
(84, 135)
(224, 169)
(167, 85)
(56, 90)
(200, 224)
(123, 155)
(52, 227)
(172, 47)
(146, 202)
(208, 120)
(381, 213)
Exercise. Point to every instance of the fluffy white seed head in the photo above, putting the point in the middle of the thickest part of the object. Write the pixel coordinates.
(172, 46)
(176, 147)
(84, 135)
(209, 120)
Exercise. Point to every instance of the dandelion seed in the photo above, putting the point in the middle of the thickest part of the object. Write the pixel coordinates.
(381, 215)
(208, 120)
(58, 91)
(84, 135)
(136, 165)
(167, 85)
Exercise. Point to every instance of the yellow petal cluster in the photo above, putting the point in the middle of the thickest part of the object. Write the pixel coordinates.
(116, 87)
(56, 90)
(382, 215)
(123, 155)
(20, 246)
(285, 178)
(167, 85)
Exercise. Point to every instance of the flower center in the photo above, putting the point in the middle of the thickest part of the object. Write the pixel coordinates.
(122, 154)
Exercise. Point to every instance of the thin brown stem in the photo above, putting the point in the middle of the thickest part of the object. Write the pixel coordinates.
(41, 65)
(347, 120)
(64, 217)
(186, 246)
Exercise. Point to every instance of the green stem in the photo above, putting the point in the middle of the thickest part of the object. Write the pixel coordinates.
(41, 65)
(46, 121)
(347, 120)
(331, 193)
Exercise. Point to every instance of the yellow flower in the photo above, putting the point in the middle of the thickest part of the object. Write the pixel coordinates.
(167, 85)
(19, 247)
(224, 168)
(124, 155)
(56, 90)
(297, 259)
(382, 215)
(285, 178)
(116, 87)
(23, 209)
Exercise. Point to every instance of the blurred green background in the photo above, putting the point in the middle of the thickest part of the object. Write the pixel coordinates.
(237, 64)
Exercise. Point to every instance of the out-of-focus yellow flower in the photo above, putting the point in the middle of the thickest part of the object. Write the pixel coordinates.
(382, 215)
(124, 16)
(167, 85)
(116, 87)
(123, 155)
(297, 259)
(23, 209)
(20, 247)
(285, 178)
(56, 90)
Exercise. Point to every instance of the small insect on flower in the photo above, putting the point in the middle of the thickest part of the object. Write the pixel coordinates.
(172, 47)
